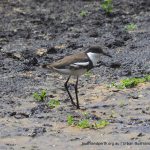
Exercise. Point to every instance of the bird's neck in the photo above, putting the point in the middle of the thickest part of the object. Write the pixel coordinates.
(95, 58)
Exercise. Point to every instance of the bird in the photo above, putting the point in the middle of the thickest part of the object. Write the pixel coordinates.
(76, 65)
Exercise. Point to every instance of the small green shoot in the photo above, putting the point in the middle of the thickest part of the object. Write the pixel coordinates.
(88, 74)
(40, 96)
(121, 103)
(130, 82)
(83, 13)
(113, 114)
(147, 78)
(117, 85)
(101, 124)
(53, 103)
(84, 124)
(131, 27)
(107, 6)
(70, 120)
(85, 114)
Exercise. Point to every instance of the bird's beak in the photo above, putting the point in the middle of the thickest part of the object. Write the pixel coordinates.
(107, 54)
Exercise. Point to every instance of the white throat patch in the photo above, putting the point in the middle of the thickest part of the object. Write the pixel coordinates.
(95, 58)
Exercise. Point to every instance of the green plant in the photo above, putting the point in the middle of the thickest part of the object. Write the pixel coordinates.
(113, 114)
(83, 13)
(70, 120)
(88, 74)
(40, 96)
(53, 103)
(117, 85)
(85, 114)
(107, 6)
(131, 27)
(121, 103)
(147, 78)
(110, 85)
(130, 82)
(101, 124)
(84, 124)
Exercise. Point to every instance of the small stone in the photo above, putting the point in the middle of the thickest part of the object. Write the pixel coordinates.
(140, 96)
(41, 51)
(17, 56)
(37, 131)
(115, 90)
(140, 134)
(133, 95)
(21, 115)
(14, 55)
(47, 125)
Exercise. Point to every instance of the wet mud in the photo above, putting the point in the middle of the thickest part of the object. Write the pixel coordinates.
(36, 32)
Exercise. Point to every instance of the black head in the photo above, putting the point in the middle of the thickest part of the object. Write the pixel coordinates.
(97, 50)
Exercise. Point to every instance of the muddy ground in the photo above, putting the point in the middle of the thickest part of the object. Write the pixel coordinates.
(35, 32)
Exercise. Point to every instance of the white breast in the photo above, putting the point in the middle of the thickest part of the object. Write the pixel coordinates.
(95, 58)
(73, 72)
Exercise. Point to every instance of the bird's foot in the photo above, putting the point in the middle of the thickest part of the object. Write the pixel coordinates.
(78, 107)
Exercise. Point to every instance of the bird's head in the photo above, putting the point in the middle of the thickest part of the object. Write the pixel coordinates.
(94, 53)
(98, 50)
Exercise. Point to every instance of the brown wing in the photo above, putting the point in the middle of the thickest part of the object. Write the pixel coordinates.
(66, 61)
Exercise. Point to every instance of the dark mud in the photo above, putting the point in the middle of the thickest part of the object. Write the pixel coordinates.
(35, 32)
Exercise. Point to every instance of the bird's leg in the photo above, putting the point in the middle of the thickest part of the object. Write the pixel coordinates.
(66, 86)
(76, 92)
